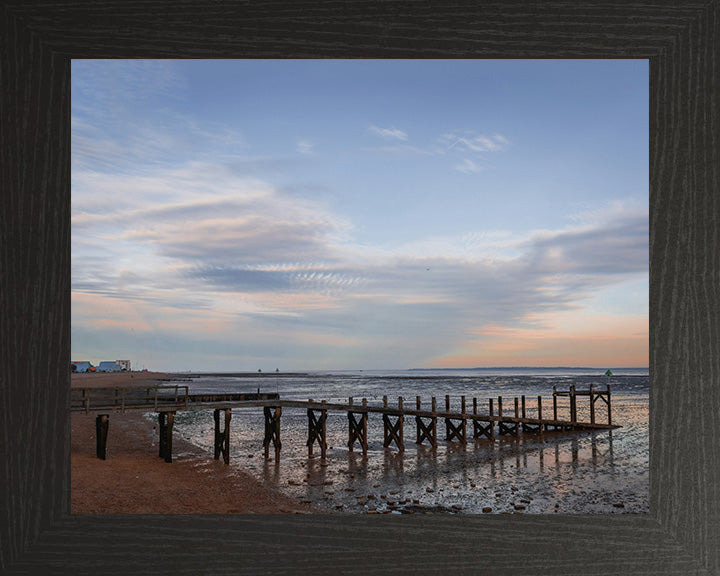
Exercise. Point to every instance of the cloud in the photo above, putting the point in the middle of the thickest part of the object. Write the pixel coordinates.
(402, 149)
(389, 133)
(226, 235)
(468, 167)
(305, 147)
(469, 142)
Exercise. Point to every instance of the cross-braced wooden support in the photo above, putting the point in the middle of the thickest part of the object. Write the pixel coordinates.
(529, 428)
(505, 427)
(393, 431)
(317, 430)
(357, 429)
(508, 428)
(484, 429)
(605, 397)
(272, 430)
(222, 437)
(426, 430)
(455, 431)
(481, 429)
(102, 423)
(165, 426)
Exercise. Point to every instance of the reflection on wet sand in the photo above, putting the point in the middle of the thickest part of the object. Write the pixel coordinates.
(557, 471)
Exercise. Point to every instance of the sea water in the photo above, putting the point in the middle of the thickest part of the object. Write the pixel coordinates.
(604, 471)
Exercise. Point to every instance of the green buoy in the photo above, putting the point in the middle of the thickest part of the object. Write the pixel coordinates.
(608, 373)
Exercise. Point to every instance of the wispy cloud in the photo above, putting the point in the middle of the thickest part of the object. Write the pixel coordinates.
(305, 147)
(226, 245)
(389, 133)
(468, 166)
(467, 141)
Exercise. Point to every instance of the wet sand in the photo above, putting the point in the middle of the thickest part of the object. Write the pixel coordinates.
(558, 473)
(134, 480)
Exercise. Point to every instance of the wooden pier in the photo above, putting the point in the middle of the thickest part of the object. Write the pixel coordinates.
(167, 400)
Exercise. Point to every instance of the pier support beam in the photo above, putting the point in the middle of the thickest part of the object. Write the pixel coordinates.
(528, 428)
(508, 428)
(393, 431)
(426, 430)
(317, 430)
(357, 429)
(455, 431)
(166, 421)
(505, 427)
(480, 429)
(272, 430)
(222, 437)
(102, 423)
(573, 405)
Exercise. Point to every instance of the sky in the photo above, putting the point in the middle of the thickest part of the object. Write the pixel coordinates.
(232, 215)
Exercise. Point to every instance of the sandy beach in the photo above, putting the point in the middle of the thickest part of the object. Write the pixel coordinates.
(134, 480)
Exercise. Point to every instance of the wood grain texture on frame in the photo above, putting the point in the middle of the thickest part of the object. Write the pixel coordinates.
(680, 535)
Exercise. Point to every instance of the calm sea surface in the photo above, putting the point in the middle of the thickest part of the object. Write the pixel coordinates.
(588, 472)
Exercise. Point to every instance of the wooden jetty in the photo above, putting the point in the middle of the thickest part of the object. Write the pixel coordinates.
(167, 400)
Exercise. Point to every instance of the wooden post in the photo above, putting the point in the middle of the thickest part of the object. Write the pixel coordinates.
(272, 430)
(102, 423)
(309, 444)
(542, 426)
(168, 441)
(216, 418)
(434, 423)
(592, 404)
(573, 406)
(226, 439)
(386, 432)
(418, 421)
(492, 422)
(402, 424)
(364, 427)
(523, 405)
(608, 405)
(517, 415)
(447, 420)
(222, 437)
(276, 418)
(554, 403)
(161, 434)
(351, 440)
(474, 405)
(166, 421)
(500, 406)
(317, 430)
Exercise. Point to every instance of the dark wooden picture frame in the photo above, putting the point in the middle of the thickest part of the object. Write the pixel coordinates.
(680, 535)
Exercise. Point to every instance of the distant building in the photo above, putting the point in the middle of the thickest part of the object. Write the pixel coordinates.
(83, 366)
(109, 366)
(124, 364)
